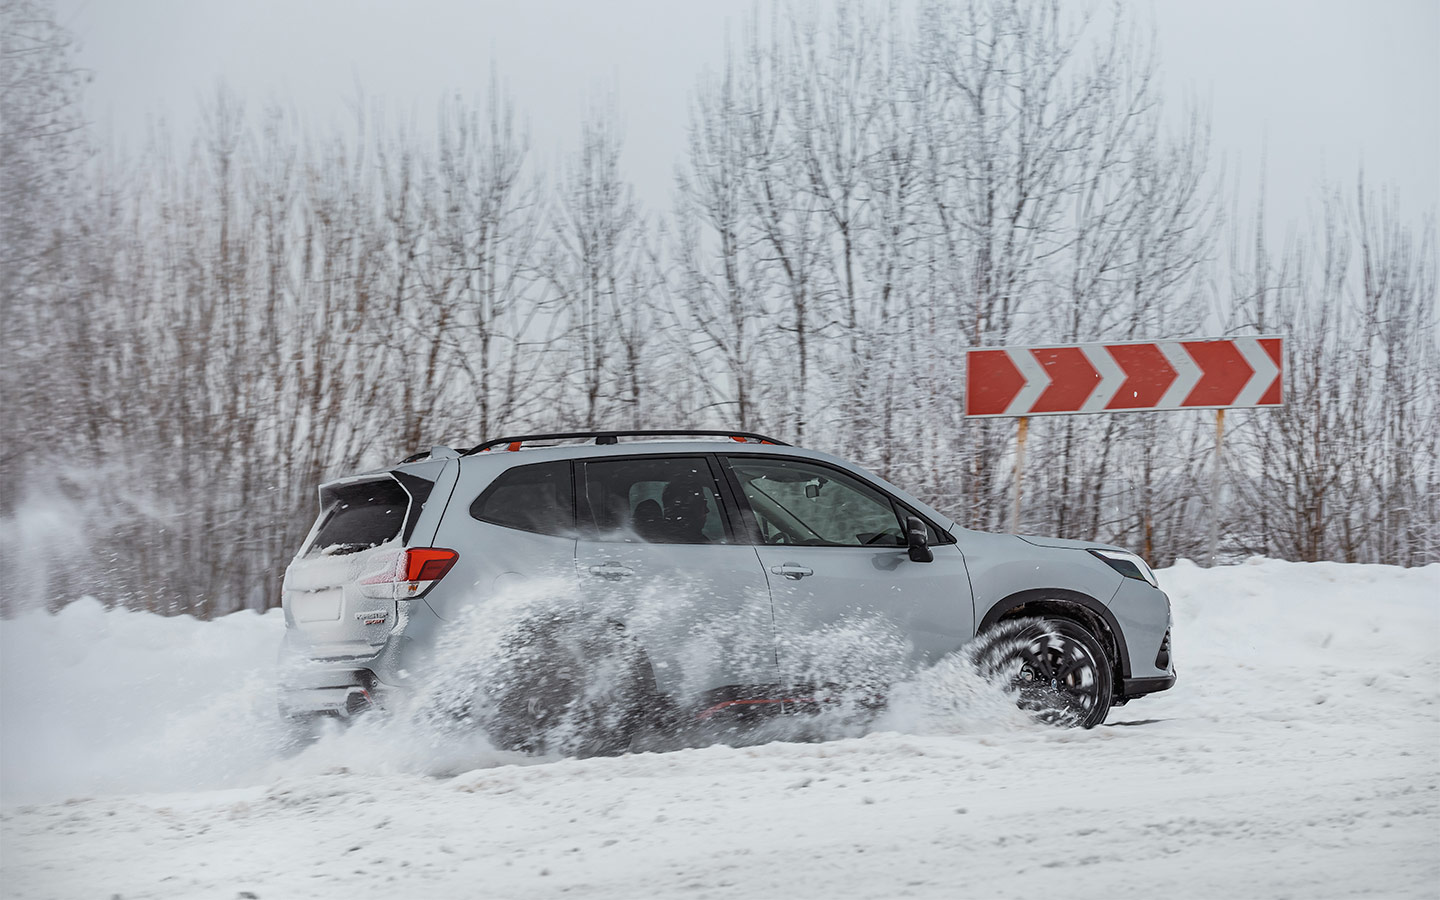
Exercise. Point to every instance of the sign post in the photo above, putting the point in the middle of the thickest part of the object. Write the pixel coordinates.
(1133, 376)
(1215, 484)
(1019, 474)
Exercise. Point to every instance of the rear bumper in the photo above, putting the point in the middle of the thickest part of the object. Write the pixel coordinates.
(315, 685)
(340, 691)
(345, 678)
(336, 702)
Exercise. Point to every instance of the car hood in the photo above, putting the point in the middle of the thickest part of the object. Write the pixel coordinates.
(1065, 544)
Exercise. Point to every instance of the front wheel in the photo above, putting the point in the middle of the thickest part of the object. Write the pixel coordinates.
(1057, 669)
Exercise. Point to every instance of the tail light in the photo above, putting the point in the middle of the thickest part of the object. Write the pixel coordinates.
(409, 573)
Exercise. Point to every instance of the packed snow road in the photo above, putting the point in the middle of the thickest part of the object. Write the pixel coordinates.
(1299, 756)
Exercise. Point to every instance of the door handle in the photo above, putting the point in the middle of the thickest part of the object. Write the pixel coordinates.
(611, 570)
(792, 571)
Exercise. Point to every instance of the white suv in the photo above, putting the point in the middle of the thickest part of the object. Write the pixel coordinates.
(716, 561)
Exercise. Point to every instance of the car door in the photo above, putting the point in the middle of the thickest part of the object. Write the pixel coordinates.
(849, 603)
(658, 546)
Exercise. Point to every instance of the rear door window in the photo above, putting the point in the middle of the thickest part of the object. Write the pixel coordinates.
(656, 500)
(536, 498)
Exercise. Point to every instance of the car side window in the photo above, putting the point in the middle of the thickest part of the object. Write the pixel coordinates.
(653, 500)
(536, 498)
(796, 502)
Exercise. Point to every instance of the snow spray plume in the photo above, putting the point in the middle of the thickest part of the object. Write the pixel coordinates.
(548, 670)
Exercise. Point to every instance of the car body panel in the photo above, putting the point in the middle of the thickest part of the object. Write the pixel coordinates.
(727, 634)
(324, 599)
(444, 473)
(1054, 543)
(1008, 569)
(495, 560)
(1145, 624)
(1002, 564)
(925, 606)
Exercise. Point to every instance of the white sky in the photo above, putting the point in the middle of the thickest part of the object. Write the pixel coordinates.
(1320, 85)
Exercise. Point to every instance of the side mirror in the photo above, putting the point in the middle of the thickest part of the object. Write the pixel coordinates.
(915, 537)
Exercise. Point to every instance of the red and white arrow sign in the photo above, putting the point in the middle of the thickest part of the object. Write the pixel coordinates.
(1219, 373)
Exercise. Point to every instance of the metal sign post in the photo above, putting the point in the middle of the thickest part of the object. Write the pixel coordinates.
(1133, 376)
(1215, 484)
(1019, 474)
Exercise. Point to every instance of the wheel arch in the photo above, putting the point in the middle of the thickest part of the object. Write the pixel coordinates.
(1070, 604)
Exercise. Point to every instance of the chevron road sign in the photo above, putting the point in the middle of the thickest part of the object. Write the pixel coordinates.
(1217, 373)
(1135, 376)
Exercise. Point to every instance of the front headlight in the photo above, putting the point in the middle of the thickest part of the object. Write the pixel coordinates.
(1127, 564)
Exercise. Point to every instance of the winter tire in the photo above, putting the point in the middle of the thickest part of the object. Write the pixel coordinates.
(1057, 669)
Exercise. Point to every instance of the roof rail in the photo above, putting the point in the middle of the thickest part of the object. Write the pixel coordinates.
(613, 437)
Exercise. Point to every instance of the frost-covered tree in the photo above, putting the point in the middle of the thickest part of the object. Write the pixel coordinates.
(42, 148)
(196, 336)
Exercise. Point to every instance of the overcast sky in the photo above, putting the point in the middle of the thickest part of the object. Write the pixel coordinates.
(1320, 85)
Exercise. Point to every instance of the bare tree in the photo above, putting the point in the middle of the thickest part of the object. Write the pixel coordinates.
(487, 231)
(1346, 470)
(195, 339)
(597, 270)
(721, 272)
(42, 146)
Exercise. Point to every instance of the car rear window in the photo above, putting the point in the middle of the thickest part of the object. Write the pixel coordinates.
(359, 516)
(535, 498)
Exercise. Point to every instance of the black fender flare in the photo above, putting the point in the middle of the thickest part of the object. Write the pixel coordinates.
(1060, 597)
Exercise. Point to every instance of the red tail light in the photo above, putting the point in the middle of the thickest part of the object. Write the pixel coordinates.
(412, 573)
(428, 563)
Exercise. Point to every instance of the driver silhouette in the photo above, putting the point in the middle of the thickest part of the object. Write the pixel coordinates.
(686, 511)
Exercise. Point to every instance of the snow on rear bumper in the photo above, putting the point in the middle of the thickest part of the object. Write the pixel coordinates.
(341, 678)
(340, 702)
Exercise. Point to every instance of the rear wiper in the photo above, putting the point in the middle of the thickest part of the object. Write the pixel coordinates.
(340, 549)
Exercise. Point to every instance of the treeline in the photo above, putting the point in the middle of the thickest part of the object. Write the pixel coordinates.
(193, 341)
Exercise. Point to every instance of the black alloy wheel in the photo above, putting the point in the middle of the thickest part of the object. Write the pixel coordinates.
(1057, 669)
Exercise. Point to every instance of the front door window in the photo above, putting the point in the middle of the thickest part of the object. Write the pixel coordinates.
(800, 503)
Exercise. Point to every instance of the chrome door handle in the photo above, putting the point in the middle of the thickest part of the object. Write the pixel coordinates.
(611, 570)
(792, 571)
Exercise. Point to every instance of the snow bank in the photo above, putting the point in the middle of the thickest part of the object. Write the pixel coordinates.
(96, 701)
(1298, 755)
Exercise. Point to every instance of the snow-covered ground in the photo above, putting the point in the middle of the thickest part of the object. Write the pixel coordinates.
(1299, 756)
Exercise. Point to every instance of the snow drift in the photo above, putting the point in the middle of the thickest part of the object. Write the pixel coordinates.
(1297, 755)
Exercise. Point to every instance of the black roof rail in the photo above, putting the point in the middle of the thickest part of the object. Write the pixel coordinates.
(613, 437)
